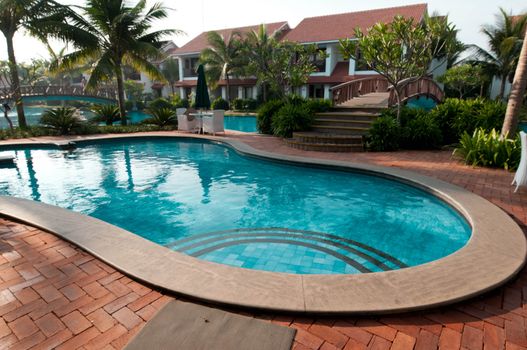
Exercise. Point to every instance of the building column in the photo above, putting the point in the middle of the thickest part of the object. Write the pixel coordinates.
(351, 70)
(224, 92)
(182, 93)
(181, 70)
(255, 92)
(327, 93)
(304, 92)
(240, 92)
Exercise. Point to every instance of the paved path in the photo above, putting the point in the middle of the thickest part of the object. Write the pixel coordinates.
(54, 295)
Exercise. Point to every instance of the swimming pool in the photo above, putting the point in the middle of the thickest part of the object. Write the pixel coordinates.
(206, 200)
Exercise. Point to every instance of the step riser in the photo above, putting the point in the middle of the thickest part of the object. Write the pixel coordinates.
(359, 118)
(328, 140)
(350, 123)
(358, 109)
(319, 148)
(337, 131)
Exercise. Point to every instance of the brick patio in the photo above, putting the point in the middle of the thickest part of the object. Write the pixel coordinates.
(54, 295)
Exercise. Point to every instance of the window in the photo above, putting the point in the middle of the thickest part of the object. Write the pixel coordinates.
(316, 91)
(191, 64)
(248, 92)
(360, 64)
(318, 60)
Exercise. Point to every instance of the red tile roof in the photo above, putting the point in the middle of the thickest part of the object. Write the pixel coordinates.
(342, 26)
(200, 42)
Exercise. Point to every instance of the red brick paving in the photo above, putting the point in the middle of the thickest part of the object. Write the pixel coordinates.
(54, 295)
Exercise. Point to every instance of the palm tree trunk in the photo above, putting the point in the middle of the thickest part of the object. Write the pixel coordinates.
(15, 82)
(510, 124)
(120, 94)
(228, 88)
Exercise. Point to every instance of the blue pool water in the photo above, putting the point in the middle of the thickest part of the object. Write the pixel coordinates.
(208, 201)
(33, 114)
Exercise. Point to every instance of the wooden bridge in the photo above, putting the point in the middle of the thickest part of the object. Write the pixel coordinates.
(376, 91)
(108, 93)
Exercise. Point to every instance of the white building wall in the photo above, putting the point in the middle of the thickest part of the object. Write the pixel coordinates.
(495, 88)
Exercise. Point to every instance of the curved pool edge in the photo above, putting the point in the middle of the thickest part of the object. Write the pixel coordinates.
(494, 254)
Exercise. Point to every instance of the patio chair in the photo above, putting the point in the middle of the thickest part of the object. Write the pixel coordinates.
(183, 122)
(214, 124)
(520, 179)
(180, 111)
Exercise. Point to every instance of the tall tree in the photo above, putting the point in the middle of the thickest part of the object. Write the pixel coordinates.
(170, 69)
(519, 84)
(40, 18)
(115, 34)
(223, 58)
(505, 40)
(259, 47)
(401, 51)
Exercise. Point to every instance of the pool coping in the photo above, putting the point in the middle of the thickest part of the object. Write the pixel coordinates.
(495, 253)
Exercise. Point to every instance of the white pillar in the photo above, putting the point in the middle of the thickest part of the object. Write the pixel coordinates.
(224, 92)
(240, 92)
(255, 92)
(182, 93)
(181, 66)
(326, 91)
(304, 91)
(351, 70)
(329, 58)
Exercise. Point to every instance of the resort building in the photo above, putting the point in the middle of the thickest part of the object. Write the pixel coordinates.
(323, 31)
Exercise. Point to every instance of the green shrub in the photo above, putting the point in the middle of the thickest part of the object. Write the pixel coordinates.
(159, 103)
(237, 104)
(129, 105)
(291, 118)
(107, 114)
(421, 132)
(220, 103)
(140, 105)
(488, 149)
(179, 102)
(161, 117)
(265, 115)
(61, 120)
(294, 99)
(384, 134)
(249, 104)
(318, 105)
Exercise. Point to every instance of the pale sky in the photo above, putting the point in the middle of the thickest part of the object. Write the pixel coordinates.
(195, 16)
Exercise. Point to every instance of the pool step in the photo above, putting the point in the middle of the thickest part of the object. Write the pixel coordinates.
(324, 142)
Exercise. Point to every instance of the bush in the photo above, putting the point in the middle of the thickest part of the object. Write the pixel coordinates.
(265, 115)
(61, 120)
(107, 114)
(129, 105)
(384, 134)
(161, 117)
(318, 105)
(294, 99)
(291, 118)
(237, 104)
(160, 103)
(250, 104)
(179, 102)
(456, 116)
(487, 149)
(140, 105)
(421, 132)
(220, 103)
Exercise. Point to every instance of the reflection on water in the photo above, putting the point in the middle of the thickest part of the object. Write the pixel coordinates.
(165, 190)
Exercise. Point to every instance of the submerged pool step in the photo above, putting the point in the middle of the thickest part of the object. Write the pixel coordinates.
(357, 255)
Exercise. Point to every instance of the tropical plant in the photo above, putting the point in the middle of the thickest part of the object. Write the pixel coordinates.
(421, 132)
(291, 118)
(160, 103)
(505, 40)
(133, 90)
(40, 18)
(106, 113)
(161, 117)
(401, 51)
(170, 70)
(62, 120)
(115, 34)
(223, 58)
(220, 103)
(318, 105)
(265, 115)
(384, 134)
(519, 84)
(489, 149)
(463, 78)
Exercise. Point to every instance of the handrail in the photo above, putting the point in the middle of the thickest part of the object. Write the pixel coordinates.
(106, 92)
(358, 87)
(424, 86)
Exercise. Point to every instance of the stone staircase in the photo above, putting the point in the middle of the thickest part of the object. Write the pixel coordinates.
(340, 130)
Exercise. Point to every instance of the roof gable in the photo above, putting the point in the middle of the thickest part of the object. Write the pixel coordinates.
(342, 26)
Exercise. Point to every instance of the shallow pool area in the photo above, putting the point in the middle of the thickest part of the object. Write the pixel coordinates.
(206, 200)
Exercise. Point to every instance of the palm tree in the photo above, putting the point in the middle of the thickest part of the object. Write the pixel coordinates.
(171, 72)
(517, 92)
(259, 46)
(505, 41)
(223, 58)
(41, 18)
(115, 35)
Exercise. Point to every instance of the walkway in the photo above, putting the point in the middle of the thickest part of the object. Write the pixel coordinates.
(54, 295)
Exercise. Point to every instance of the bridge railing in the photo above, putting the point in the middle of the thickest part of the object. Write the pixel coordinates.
(355, 88)
(424, 86)
(107, 92)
